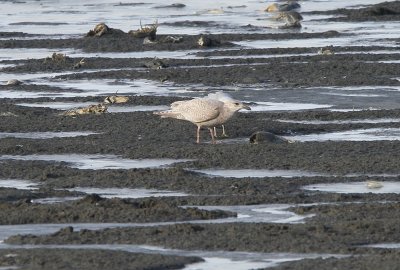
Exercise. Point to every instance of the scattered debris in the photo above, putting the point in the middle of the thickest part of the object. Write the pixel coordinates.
(374, 184)
(13, 82)
(326, 51)
(172, 39)
(91, 109)
(215, 11)
(167, 39)
(7, 114)
(56, 58)
(147, 40)
(155, 64)
(99, 30)
(147, 31)
(292, 19)
(290, 16)
(164, 79)
(102, 29)
(116, 99)
(206, 41)
(79, 64)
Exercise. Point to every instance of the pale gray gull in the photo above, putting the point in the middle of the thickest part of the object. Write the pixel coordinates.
(204, 112)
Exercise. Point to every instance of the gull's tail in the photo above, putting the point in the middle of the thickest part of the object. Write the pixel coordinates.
(168, 114)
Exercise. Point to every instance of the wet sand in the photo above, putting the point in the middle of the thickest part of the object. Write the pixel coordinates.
(342, 223)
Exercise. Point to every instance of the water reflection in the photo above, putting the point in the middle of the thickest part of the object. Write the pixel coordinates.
(234, 260)
(285, 106)
(127, 192)
(357, 187)
(18, 184)
(345, 121)
(257, 173)
(98, 162)
(111, 109)
(372, 134)
(45, 135)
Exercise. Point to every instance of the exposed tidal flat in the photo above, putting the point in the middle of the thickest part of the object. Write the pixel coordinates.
(123, 188)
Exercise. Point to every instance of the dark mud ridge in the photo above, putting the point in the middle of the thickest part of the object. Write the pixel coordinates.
(338, 223)
(58, 258)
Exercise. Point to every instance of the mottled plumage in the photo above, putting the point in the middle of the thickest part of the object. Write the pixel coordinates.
(221, 96)
(203, 112)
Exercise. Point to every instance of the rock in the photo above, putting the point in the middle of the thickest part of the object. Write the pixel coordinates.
(288, 6)
(266, 137)
(102, 29)
(206, 41)
(99, 30)
(155, 64)
(64, 231)
(175, 5)
(13, 82)
(91, 109)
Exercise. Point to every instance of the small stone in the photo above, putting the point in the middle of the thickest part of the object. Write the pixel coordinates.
(374, 184)
(266, 137)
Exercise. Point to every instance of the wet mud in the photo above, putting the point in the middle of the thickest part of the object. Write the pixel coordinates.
(57, 258)
(342, 223)
(387, 11)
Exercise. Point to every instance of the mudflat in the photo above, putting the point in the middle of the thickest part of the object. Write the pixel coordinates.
(337, 223)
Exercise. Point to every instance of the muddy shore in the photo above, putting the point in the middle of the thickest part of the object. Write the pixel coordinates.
(341, 223)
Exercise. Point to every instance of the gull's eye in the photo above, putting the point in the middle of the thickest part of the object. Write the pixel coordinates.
(237, 103)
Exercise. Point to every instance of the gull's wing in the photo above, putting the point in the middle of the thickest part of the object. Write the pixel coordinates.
(198, 110)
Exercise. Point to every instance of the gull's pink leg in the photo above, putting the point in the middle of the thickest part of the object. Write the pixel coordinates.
(212, 136)
(223, 132)
(198, 134)
(215, 132)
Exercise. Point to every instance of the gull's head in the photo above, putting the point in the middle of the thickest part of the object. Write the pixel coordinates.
(235, 105)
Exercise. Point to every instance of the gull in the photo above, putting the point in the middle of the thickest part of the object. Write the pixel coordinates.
(221, 96)
(203, 112)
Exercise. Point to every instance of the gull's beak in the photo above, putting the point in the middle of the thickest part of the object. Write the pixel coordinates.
(246, 107)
